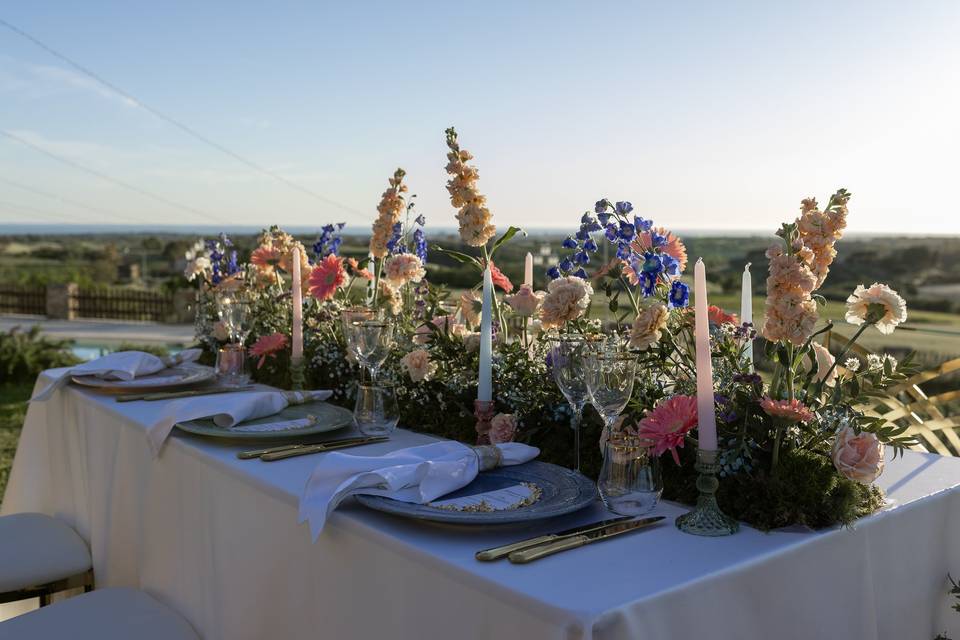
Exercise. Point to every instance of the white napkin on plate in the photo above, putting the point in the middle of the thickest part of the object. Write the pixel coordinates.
(121, 365)
(416, 474)
(226, 409)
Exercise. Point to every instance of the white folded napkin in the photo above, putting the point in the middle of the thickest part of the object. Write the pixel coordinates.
(226, 409)
(416, 474)
(121, 365)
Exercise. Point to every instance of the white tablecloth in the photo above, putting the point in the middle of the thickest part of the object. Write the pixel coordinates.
(217, 538)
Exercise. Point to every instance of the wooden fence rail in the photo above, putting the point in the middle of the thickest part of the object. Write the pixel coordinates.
(26, 299)
(124, 304)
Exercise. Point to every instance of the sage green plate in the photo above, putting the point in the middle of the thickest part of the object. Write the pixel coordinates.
(329, 418)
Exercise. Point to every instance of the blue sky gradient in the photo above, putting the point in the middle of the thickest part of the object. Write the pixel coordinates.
(704, 115)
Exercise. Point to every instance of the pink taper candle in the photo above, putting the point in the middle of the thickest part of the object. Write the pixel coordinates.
(296, 353)
(707, 429)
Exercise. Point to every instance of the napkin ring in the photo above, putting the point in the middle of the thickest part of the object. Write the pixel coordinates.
(490, 456)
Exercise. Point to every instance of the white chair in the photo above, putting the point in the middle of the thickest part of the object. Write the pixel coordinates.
(104, 614)
(40, 555)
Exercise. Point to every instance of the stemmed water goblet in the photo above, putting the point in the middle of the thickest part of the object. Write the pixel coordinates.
(568, 355)
(231, 364)
(370, 341)
(609, 380)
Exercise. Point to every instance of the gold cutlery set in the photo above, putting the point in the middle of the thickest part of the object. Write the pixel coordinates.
(172, 395)
(532, 549)
(282, 452)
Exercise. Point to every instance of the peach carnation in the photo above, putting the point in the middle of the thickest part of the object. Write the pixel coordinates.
(403, 268)
(567, 299)
(879, 305)
(649, 324)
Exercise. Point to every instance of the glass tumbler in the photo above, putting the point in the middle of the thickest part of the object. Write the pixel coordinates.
(232, 366)
(630, 483)
(376, 412)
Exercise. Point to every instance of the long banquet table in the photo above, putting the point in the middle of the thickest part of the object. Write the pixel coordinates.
(217, 538)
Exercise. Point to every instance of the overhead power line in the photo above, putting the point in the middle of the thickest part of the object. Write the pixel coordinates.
(57, 217)
(68, 201)
(110, 179)
(180, 125)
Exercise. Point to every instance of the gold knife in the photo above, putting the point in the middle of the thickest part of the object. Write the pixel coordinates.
(256, 453)
(503, 551)
(170, 395)
(318, 448)
(572, 542)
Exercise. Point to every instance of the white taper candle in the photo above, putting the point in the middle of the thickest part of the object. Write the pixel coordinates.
(706, 417)
(746, 310)
(296, 352)
(485, 375)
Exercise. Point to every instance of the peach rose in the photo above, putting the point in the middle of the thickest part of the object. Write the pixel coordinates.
(648, 326)
(525, 301)
(858, 456)
(418, 365)
(503, 428)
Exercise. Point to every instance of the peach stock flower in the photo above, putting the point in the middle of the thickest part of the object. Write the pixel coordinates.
(389, 211)
(503, 428)
(856, 456)
(269, 345)
(820, 230)
(791, 312)
(418, 365)
(879, 305)
(390, 298)
(473, 215)
(327, 276)
(567, 299)
(402, 268)
(525, 301)
(788, 410)
(666, 425)
(648, 326)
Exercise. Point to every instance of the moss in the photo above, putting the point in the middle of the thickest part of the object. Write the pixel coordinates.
(807, 490)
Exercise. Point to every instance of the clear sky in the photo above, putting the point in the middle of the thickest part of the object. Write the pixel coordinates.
(706, 115)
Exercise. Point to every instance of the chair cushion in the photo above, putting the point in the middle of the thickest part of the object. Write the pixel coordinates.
(104, 614)
(36, 549)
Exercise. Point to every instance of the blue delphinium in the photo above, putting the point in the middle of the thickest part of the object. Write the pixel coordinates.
(648, 283)
(328, 241)
(569, 243)
(679, 295)
(627, 231)
(218, 266)
(554, 273)
(652, 263)
(623, 208)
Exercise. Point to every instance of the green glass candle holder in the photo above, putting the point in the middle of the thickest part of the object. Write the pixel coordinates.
(706, 519)
(296, 375)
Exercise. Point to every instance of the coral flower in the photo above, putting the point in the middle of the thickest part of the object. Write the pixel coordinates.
(718, 316)
(327, 276)
(667, 424)
(268, 345)
(500, 279)
(789, 410)
(354, 268)
(879, 305)
(266, 257)
(672, 245)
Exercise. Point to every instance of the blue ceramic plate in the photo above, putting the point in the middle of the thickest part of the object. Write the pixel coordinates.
(564, 491)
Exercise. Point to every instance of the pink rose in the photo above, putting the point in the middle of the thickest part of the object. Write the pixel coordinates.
(525, 301)
(858, 456)
(503, 428)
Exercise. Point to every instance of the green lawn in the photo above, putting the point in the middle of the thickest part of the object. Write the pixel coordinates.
(13, 408)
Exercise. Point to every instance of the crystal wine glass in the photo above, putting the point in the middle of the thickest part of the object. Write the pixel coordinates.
(233, 310)
(370, 341)
(568, 355)
(609, 377)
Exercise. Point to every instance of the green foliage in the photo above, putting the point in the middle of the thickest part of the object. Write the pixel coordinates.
(806, 491)
(24, 354)
(159, 350)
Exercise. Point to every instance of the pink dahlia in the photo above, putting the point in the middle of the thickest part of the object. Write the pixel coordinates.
(789, 410)
(327, 276)
(666, 425)
(269, 345)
